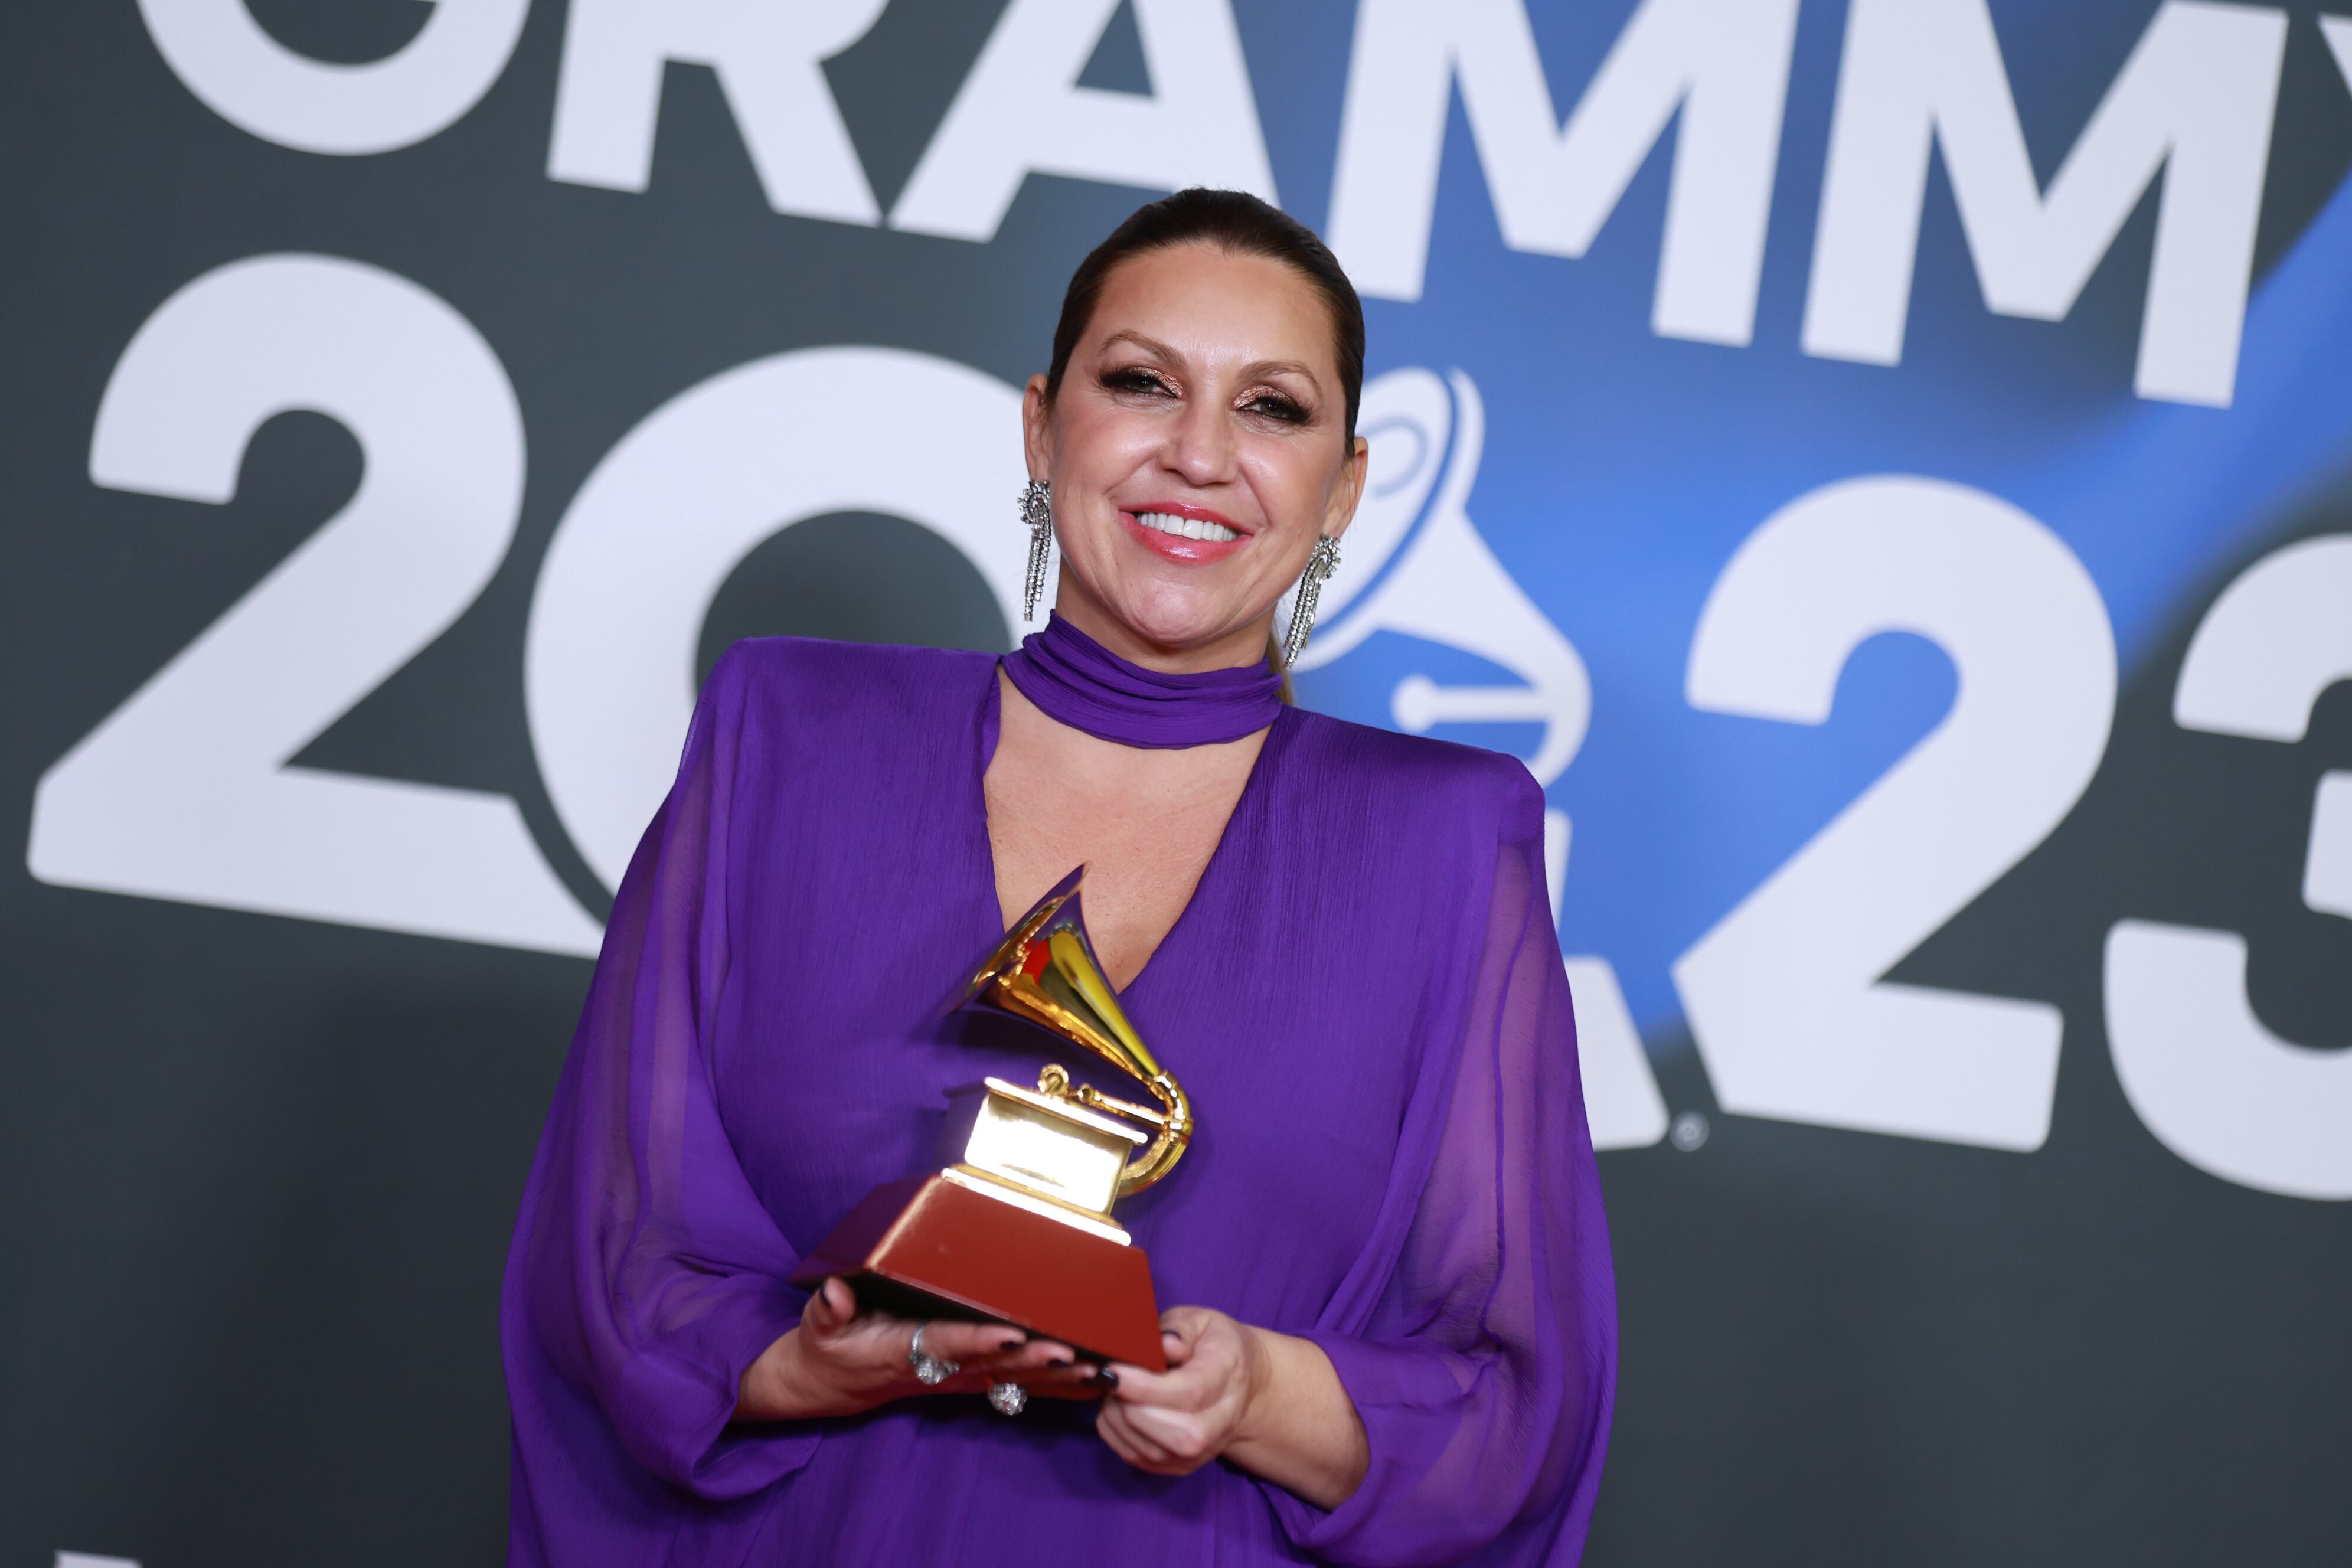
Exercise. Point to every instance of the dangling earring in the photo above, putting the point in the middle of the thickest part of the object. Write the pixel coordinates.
(1037, 511)
(1319, 567)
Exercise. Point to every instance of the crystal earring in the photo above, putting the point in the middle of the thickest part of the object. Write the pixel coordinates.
(1319, 567)
(1037, 511)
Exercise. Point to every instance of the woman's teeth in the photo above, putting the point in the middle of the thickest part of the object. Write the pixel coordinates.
(1186, 527)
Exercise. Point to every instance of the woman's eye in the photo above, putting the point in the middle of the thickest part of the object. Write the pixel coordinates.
(1135, 381)
(1274, 406)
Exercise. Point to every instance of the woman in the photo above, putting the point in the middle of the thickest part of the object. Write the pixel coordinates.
(1397, 1341)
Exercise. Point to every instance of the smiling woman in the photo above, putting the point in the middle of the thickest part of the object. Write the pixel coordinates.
(1213, 333)
(1397, 1341)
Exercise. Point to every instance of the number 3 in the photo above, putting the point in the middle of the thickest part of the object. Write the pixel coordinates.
(2215, 1087)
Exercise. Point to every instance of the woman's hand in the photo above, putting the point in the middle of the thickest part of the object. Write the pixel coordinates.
(1270, 1403)
(840, 1362)
(1173, 1423)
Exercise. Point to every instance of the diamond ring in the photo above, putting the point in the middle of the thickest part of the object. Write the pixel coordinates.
(1010, 1398)
(930, 1371)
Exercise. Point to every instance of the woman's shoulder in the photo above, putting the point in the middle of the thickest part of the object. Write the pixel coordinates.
(1421, 778)
(816, 675)
(786, 702)
(789, 658)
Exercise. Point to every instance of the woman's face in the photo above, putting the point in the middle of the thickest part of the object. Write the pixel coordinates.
(1197, 447)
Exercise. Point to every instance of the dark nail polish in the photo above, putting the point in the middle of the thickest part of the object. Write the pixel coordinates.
(1062, 1361)
(1107, 1377)
(1013, 1344)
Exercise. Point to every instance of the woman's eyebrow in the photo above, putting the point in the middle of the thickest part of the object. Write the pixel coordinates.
(1269, 367)
(1150, 345)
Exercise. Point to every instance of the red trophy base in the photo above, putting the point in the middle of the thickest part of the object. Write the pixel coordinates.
(938, 1248)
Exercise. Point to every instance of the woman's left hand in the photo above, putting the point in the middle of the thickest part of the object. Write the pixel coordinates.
(1173, 1423)
(1270, 1404)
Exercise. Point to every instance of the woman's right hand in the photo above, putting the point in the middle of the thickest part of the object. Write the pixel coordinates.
(841, 1361)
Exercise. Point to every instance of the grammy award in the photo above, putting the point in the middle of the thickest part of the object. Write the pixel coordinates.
(1017, 1224)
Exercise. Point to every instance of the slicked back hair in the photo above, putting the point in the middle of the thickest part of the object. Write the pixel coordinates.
(1241, 225)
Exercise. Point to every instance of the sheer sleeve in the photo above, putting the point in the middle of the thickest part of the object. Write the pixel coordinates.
(1487, 1374)
(646, 1274)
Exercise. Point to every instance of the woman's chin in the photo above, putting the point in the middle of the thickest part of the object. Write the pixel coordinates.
(1181, 621)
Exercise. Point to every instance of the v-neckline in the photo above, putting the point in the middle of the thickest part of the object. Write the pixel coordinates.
(990, 734)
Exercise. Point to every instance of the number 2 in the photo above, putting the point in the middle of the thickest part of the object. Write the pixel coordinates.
(184, 792)
(1784, 996)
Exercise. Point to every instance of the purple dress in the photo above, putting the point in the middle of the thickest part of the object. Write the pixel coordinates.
(1364, 999)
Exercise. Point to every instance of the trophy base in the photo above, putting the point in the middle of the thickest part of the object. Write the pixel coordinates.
(935, 1247)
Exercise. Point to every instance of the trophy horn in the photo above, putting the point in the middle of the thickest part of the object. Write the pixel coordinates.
(1046, 971)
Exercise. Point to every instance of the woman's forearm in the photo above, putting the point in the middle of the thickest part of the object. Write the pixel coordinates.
(1301, 1431)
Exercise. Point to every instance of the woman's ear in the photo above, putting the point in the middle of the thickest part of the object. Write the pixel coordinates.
(1038, 429)
(1341, 509)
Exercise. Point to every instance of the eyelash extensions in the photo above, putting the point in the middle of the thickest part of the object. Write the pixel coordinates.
(1278, 407)
(1268, 405)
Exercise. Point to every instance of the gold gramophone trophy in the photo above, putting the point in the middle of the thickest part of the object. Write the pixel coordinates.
(1017, 1225)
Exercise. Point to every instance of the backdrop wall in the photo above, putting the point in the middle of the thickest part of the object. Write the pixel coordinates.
(1886, 466)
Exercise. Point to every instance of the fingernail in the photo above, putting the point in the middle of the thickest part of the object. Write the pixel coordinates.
(1063, 1361)
(1107, 1377)
(1014, 1343)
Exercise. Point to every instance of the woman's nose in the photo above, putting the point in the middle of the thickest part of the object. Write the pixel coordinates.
(1201, 447)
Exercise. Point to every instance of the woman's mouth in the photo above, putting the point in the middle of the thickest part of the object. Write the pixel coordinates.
(1186, 527)
(1183, 536)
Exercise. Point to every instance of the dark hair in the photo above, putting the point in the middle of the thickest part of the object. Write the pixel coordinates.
(1241, 225)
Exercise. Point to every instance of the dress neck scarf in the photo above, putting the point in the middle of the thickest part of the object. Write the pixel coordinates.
(1077, 681)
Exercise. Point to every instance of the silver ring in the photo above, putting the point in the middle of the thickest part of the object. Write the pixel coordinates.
(1010, 1398)
(930, 1371)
